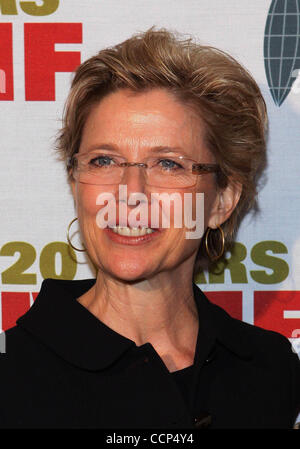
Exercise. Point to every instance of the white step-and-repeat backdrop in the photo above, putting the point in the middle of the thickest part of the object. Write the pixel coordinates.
(42, 42)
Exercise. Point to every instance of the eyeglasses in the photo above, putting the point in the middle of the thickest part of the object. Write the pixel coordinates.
(97, 168)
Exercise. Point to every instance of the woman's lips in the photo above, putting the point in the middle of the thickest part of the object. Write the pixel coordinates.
(132, 239)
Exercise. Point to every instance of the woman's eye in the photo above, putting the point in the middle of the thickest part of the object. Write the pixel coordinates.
(101, 161)
(169, 164)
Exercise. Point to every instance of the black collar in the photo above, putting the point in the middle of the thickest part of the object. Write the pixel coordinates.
(76, 335)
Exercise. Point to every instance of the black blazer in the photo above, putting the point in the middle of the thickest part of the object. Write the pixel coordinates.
(63, 368)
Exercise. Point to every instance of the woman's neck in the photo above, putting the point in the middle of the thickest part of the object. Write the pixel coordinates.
(160, 311)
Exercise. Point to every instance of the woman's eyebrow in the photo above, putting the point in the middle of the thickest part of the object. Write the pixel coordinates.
(157, 149)
(166, 149)
(102, 146)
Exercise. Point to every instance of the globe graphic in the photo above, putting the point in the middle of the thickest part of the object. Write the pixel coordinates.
(282, 47)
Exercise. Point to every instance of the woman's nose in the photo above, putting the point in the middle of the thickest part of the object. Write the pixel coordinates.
(134, 178)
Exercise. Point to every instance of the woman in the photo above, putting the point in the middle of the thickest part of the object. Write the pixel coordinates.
(141, 346)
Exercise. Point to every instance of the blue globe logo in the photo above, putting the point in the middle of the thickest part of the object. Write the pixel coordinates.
(282, 47)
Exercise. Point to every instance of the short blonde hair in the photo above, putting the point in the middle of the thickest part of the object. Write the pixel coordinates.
(210, 81)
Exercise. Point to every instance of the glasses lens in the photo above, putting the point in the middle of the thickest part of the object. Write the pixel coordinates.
(170, 180)
(170, 172)
(97, 168)
(100, 176)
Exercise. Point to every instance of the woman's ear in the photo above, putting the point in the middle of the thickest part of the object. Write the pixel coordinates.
(226, 201)
(72, 184)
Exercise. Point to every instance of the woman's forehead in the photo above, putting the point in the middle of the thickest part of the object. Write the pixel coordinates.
(145, 120)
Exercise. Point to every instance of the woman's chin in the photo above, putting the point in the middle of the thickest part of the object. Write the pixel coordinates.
(130, 270)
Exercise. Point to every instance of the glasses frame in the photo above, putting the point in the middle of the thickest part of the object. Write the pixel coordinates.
(197, 168)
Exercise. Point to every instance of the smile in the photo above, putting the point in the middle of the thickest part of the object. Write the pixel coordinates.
(131, 232)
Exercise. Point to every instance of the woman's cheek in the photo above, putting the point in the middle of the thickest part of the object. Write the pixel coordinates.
(86, 199)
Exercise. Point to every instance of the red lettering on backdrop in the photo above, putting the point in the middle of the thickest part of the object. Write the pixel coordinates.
(229, 301)
(14, 305)
(6, 62)
(272, 308)
(41, 59)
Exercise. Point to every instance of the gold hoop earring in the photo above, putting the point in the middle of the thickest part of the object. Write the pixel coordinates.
(68, 236)
(214, 258)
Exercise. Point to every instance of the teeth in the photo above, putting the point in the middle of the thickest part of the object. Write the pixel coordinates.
(132, 232)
